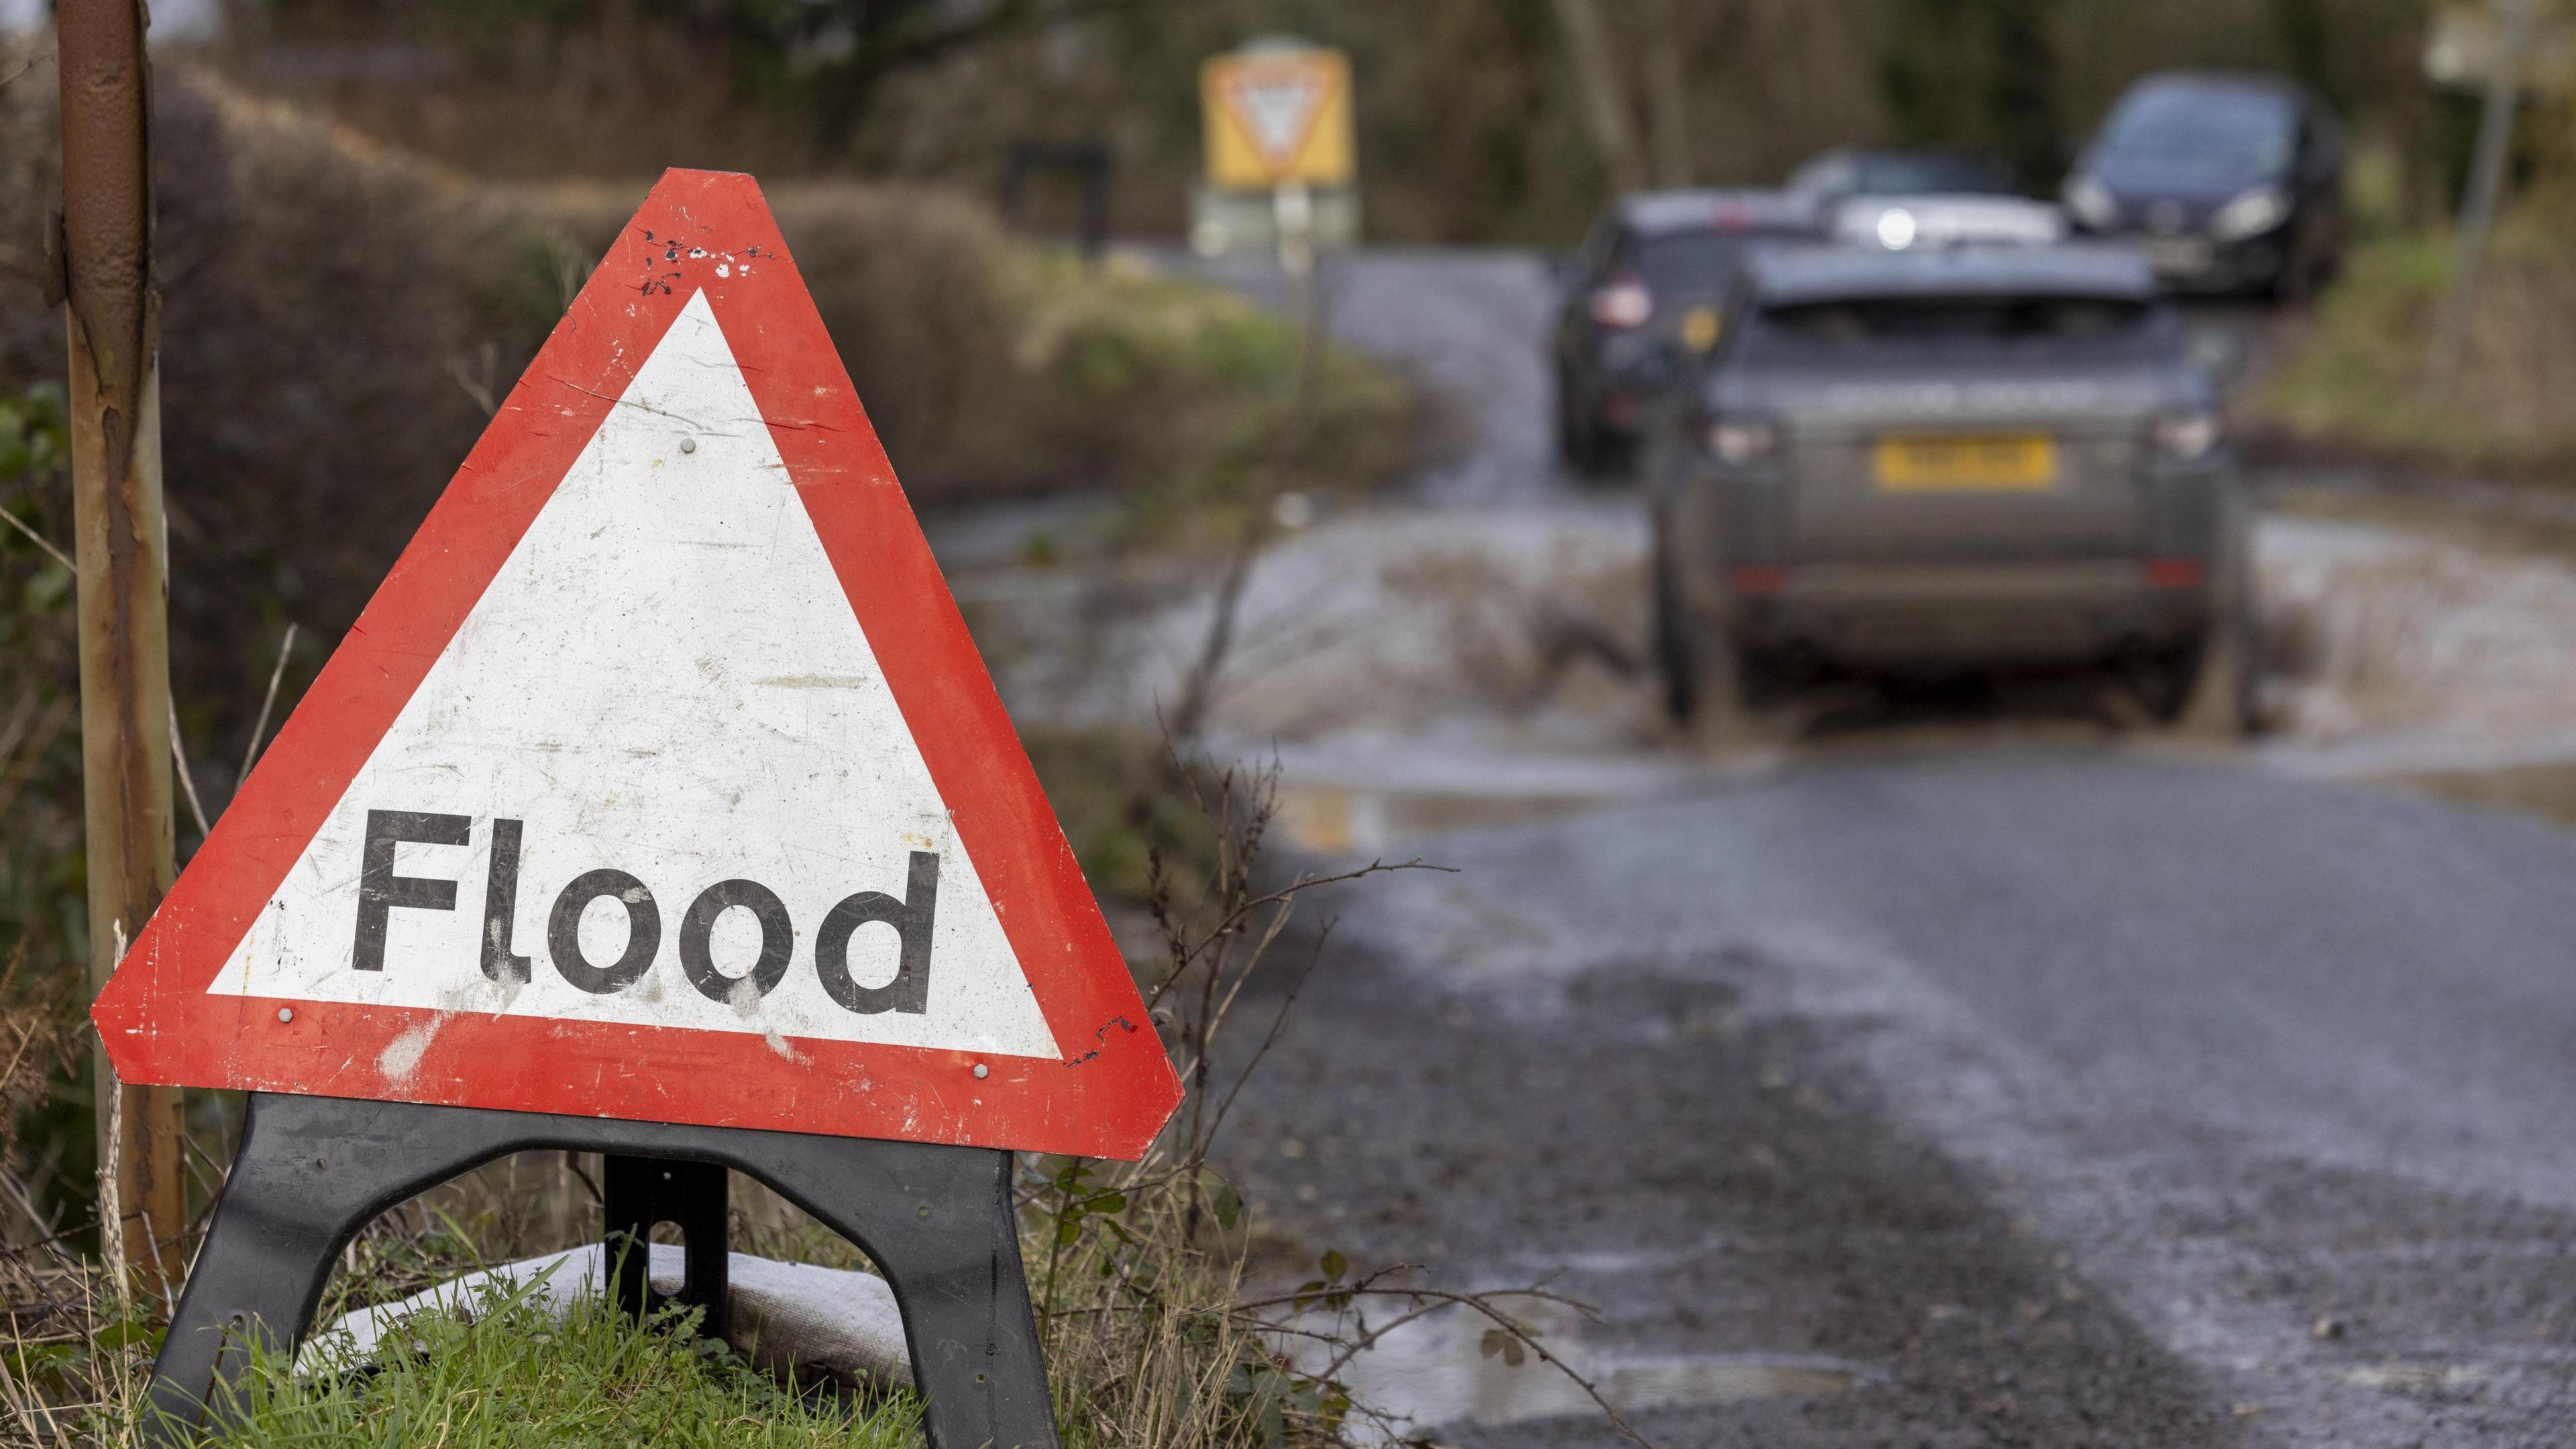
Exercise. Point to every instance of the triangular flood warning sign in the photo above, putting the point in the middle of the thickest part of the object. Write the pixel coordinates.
(660, 780)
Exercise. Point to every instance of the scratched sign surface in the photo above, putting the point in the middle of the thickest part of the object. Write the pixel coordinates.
(660, 780)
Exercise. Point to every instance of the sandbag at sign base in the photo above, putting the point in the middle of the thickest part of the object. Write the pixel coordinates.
(826, 1324)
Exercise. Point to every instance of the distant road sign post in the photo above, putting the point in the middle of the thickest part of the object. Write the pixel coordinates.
(658, 805)
(1277, 121)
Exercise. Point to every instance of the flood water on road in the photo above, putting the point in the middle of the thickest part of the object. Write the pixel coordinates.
(2046, 1075)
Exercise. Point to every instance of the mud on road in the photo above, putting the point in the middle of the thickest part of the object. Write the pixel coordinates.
(1724, 1182)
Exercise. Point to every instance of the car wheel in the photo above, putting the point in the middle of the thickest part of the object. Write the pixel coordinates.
(1709, 688)
(1578, 432)
(1761, 680)
(1568, 417)
(2168, 680)
(2223, 696)
(2289, 285)
(1674, 645)
(2302, 269)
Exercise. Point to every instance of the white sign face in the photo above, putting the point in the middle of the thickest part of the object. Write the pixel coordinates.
(1277, 108)
(698, 806)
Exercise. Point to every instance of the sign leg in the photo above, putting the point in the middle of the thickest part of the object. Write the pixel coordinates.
(938, 1221)
(311, 1171)
(643, 1191)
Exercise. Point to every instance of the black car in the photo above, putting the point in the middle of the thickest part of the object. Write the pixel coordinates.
(2232, 182)
(1645, 283)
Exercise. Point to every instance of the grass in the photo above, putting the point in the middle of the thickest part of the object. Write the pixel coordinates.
(514, 1377)
(1219, 379)
(2355, 381)
(508, 1377)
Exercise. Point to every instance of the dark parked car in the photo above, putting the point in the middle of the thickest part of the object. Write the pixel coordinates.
(2233, 183)
(1905, 462)
(1645, 283)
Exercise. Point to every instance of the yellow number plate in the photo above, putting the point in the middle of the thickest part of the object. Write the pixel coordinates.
(2024, 462)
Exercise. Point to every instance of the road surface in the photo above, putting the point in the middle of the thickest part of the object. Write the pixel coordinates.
(2008, 1082)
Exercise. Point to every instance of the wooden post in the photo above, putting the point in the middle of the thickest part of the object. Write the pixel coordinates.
(2478, 208)
(123, 554)
(1604, 95)
(1668, 91)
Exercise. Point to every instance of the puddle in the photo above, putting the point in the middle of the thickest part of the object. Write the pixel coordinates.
(1365, 794)
(2414, 1378)
(1339, 820)
(1434, 1374)
(2546, 790)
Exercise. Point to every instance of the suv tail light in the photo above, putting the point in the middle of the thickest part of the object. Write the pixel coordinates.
(1623, 303)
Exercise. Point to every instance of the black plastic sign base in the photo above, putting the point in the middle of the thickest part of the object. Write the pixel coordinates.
(936, 1220)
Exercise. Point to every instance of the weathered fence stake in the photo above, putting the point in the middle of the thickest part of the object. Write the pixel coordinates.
(122, 554)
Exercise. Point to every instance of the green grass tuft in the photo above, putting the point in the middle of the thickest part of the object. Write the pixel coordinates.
(2355, 380)
(513, 1378)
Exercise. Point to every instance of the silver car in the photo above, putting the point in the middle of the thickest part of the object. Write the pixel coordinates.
(1903, 462)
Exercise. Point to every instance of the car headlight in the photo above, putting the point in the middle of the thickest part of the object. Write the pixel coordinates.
(2250, 214)
(2188, 437)
(1738, 442)
(2092, 203)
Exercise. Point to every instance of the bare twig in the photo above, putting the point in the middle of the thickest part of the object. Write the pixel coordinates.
(191, 1152)
(1278, 1023)
(22, 766)
(268, 701)
(187, 781)
(25, 1202)
(1198, 690)
(1234, 917)
(478, 387)
(17, 1403)
(572, 1164)
(1427, 1301)
(20, 718)
(111, 1196)
(40, 541)
(34, 58)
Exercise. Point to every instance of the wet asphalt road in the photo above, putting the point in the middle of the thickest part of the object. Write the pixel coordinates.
(2055, 1097)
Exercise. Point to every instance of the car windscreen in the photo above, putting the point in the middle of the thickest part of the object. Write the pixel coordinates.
(1903, 173)
(2203, 130)
(1689, 264)
(1859, 331)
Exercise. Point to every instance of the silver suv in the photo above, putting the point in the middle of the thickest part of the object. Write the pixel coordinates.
(1930, 461)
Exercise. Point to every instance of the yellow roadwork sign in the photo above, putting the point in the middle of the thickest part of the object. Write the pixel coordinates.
(1277, 117)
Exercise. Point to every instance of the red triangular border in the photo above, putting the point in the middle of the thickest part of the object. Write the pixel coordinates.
(1109, 1094)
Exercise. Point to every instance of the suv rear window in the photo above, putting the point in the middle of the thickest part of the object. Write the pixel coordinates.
(1852, 329)
(1689, 263)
